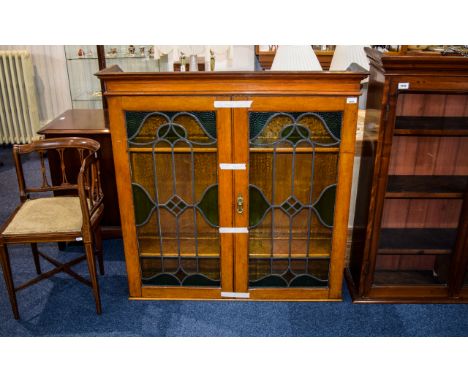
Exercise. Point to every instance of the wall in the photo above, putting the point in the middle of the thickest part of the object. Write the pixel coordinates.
(53, 92)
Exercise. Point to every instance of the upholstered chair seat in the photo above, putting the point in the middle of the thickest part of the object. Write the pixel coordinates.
(47, 215)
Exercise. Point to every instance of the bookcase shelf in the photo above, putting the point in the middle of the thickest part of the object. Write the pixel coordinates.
(414, 241)
(438, 126)
(426, 186)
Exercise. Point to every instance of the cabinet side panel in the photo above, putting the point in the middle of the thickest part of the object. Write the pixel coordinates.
(127, 216)
(366, 170)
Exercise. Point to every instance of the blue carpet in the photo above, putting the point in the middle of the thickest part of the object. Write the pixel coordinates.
(61, 306)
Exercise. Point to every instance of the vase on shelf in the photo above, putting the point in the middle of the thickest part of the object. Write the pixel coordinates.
(193, 63)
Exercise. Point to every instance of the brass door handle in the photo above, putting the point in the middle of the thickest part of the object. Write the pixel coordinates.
(240, 204)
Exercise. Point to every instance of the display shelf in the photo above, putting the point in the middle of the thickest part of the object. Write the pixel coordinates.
(423, 125)
(77, 58)
(414, 277)
(209, 247)
(417, 241)
(89, 96)
(127, 56)
(426, 186)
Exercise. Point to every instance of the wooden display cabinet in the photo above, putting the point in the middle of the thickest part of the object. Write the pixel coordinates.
(411, 221)
(233, 185)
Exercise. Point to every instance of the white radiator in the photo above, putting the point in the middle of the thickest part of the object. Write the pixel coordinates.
(19, 116)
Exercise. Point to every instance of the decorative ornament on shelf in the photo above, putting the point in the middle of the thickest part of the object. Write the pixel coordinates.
(193, 63)
(182, 61)
(295, 58)
(212, 60)
(131, 50)
(81, 53)
(142, 51)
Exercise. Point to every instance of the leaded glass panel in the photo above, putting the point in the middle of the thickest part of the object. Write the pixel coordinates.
(173, 159)
(293, 175)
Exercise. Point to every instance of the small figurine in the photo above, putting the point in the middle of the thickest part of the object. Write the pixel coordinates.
(112, 52)
(81, 53)
(212, 60)
(131, 50)
(151, 51)
(182, 62)
(142, 50)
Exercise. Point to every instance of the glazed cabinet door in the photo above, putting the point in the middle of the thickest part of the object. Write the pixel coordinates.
(293, 197)
(170, 192)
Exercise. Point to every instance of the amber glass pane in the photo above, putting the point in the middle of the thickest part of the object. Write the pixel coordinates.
(173, 160)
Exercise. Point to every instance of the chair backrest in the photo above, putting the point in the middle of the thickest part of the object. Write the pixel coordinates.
(86, 184)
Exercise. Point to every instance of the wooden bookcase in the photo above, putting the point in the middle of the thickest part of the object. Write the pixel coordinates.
(233, 185)
(411, 223)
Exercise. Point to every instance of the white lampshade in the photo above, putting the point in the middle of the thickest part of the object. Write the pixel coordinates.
(295, 57)
(345, 55)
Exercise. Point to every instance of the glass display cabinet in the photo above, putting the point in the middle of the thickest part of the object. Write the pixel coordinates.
(411, 227)
(83, 61)
(233, 185)
(82, 64)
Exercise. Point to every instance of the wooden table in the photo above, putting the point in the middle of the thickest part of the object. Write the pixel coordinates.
(90, 123)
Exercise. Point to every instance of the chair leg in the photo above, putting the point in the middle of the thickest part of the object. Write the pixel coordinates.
(99, 254)
(37, 263)
(5, 262)
(92, 274)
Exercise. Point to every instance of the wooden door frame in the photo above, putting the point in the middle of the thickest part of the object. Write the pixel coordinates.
(118, 105)
(344, 181)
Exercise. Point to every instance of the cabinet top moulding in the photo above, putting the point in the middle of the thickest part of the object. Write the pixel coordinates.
(119, 83)
(421, 64)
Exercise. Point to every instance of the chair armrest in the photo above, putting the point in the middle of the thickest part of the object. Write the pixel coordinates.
(90, 190)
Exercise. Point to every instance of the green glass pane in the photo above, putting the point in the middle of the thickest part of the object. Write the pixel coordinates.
(269, 281)
(308, 281)
(133, 121)
(165, 279)
(258, 206)
(325, 206)
(257, 121)
(208, 205)
(208, 120)
(142, 204)
(334, 120)
(295, 133)
(199, 280)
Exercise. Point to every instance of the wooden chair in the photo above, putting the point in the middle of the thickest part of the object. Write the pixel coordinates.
(73, 214)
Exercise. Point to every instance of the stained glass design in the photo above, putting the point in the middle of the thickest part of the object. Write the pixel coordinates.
(174, 180)
(293, 174)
